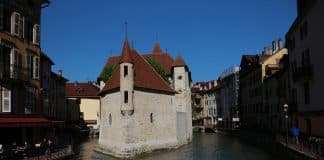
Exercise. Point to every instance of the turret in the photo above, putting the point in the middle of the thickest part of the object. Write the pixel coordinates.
(126, 80)
(180, 75)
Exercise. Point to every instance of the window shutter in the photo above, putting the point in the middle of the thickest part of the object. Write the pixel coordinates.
(36, 36)
(14, 60)
(1, 17)
(36, 67)
(6, 100)
(21, 28)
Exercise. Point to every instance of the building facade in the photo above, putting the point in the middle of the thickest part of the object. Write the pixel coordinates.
(304, 41)
(252, 74)
(86, 93)
(227, 100)
(145, 103)
(20, 81)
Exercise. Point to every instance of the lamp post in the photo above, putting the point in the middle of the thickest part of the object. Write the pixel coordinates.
(285, 109)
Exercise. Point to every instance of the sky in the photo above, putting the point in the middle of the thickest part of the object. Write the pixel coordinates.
(211, 35)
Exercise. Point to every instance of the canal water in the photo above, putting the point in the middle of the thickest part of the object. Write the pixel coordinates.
(207, 146)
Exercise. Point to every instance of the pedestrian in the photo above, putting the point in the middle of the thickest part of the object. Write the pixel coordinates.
(295, 133)
(43, 146)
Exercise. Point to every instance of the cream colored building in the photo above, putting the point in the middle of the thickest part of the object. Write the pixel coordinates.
(89, 101)
(305, 43)
(143, 109)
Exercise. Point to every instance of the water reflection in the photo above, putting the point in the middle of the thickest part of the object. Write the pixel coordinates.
(203, 146)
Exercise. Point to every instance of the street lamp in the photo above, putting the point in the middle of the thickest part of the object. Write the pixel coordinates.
(285, 109)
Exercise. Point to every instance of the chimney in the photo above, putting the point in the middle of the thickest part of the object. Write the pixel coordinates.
(267, 50)
(210, 85)
(274, 46)
(280, 44)
(59, 72)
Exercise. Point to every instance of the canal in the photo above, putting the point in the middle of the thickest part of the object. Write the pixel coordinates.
(204, 146)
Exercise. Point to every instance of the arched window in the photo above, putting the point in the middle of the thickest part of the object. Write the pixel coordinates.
(151, 117)
(15, 23)
(110, 119)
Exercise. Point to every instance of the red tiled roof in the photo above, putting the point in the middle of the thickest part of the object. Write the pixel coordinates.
(179, 62)
(164, 59)
(113, 82)
(145, 76)
(156, 49)
(81, 90)
(126, 54)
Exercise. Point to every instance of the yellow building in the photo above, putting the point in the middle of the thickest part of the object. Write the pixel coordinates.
(89, 101)
(252, 74)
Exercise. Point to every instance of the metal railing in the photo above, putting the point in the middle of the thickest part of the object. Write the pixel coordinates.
(309, 146)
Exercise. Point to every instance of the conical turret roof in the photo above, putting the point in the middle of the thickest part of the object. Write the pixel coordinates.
(126, 53)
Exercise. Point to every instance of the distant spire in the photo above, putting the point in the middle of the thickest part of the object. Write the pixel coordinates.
(179, 62)
(156, 38)
(126, 31)
(156, 49)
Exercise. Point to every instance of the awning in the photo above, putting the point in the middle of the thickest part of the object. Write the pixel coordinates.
(90, 121)
(14, 122)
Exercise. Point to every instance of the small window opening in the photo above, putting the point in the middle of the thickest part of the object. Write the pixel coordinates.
(125, 71)
(110, 119)
(125, 96)
(151, 117)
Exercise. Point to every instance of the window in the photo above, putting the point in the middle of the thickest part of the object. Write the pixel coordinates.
(125, 70)
(30, 99)
(125, 96)
(179, 77)
(36, 34)
(303, 30)
(14, 63)
(6, 100)
(306, 93)
(29, 63)
(110, 119)
(15, 23)
(151, 117)
(36, 67)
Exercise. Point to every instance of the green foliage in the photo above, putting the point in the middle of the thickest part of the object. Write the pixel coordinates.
(108, 72)
(158, 68)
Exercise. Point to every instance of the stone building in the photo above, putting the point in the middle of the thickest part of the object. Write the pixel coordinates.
(145, 103)
(204, 106)
(227, 98)
(305, 45)
(252, 73)
(20, 80)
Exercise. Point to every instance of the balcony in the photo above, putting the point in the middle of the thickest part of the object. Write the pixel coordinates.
(305, 71)
(18, 73)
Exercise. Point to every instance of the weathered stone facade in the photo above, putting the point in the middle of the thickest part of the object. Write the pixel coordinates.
(140, 112)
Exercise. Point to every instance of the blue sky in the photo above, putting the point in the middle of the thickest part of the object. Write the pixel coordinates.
(211, 35)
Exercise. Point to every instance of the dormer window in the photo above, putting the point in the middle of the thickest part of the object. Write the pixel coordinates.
(125, 70)
(15, 26)
(36, 35)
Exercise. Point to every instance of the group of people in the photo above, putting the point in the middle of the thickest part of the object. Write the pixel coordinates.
(46, 146)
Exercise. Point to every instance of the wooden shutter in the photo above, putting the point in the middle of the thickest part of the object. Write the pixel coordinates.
(36, 67)
(14, 61)
(6, 100)
(1, 17)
